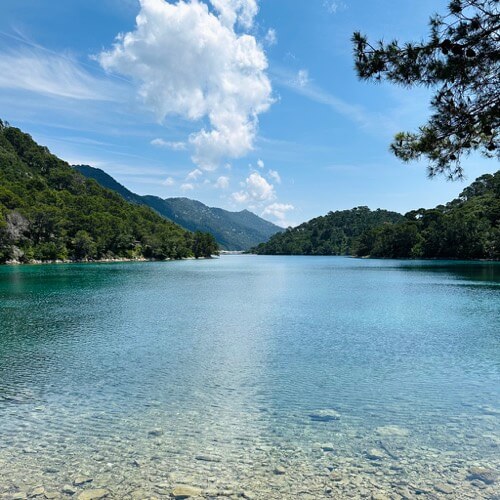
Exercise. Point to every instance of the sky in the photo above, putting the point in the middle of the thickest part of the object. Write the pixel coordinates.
(241, 104)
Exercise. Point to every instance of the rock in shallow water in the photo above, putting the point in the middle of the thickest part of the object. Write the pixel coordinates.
(81, 480)
(488, 476)
(38, 491)
(96, 494)
(443, 488)
(180, 492)
(279, 471)
(155, 433)
(374, 454)
(324, 416)
(68, 490)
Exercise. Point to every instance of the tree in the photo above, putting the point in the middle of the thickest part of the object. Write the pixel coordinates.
(461, 61)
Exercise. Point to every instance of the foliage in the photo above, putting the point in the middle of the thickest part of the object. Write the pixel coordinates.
(465, 228)
(461, 60)
(337, 233)
(48, 211)
(232, 230)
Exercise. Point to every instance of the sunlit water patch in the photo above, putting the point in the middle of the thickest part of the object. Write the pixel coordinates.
(253, 377)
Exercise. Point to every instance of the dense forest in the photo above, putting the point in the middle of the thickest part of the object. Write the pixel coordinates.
(48, 212)
(336, 233)
(232, 230)
(465, 228)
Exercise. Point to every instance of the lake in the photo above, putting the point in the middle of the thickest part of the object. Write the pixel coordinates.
(251, 377)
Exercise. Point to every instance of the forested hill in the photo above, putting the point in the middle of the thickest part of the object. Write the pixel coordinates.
(232, 230)
(336, 233)
(466, 228)
(48, 211)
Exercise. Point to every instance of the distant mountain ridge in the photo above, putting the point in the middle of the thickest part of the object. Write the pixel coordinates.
(232, 230)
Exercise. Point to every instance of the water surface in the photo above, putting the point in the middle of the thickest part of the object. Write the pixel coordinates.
(270, 377)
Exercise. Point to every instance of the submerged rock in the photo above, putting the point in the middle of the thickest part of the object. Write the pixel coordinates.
(444, 488)
(185, 492)
(324, 416)
(488, 476)
(81, 480)
(96, 494)
(279, 471)
(207, 458)
(38, 491)
(68, 490)
(392, 431)
(375, 454)
(155, 433)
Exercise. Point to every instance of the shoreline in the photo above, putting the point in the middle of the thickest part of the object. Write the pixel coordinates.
(99, 261)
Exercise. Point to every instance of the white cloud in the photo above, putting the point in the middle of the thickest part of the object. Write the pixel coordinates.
(169, 181)
(271, 37)
(222, 76)
(187, 187)
(174, 146)
(232, 11)
(256, 190)
(55, 75)
(279, 212)
(222, 182)
(275, 176)
(194, 174)
(260, 163)
(334, 6)
(302, 78)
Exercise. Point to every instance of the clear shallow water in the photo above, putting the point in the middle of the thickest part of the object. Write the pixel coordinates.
(143, 376)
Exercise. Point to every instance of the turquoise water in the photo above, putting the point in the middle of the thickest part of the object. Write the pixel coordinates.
(269, 377)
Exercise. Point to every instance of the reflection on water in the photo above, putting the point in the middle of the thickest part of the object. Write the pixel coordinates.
(264, 377)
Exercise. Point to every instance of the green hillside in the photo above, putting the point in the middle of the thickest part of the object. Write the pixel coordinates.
(232, 230)
(336, 233)
(48, 211)
(465, 228)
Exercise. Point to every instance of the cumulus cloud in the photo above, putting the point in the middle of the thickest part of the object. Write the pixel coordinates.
(174, 146)
(194, 174)
(275, 176)
(279, 212)
(256, 189)
(232, 11)
(187, 187)
(260, 163)
(190, 62)
(222, 182)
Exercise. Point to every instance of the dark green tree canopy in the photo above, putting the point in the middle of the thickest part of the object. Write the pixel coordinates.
(461, 61)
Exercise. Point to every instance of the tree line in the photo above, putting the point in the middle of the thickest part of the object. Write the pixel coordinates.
(465, 228)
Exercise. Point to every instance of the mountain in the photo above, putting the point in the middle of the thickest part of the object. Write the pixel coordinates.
(465, 228)
(48, 211)
(336, 233)
(232, 230)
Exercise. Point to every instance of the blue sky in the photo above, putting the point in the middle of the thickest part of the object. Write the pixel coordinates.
(237, 103)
